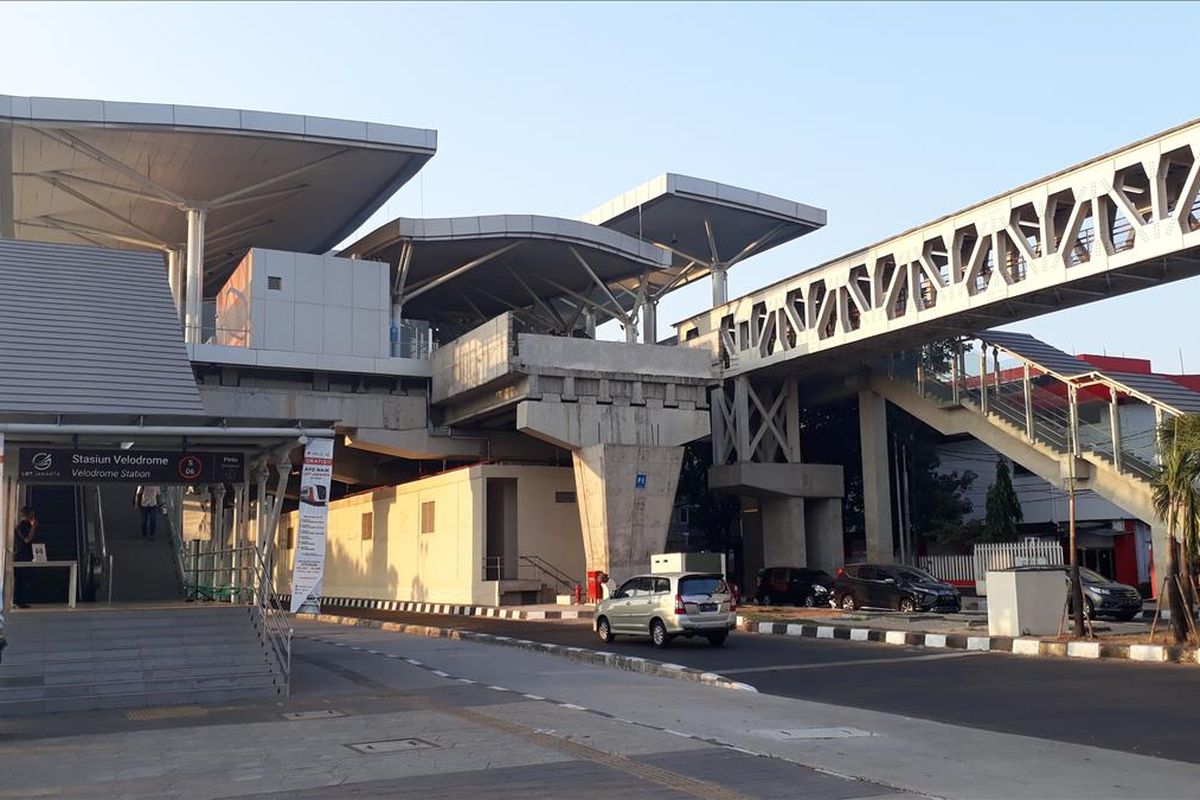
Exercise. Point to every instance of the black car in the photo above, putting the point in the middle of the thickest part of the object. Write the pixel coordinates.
(803, 586)
(893, 586)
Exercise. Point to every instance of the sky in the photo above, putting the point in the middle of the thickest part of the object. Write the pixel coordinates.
(887, 115)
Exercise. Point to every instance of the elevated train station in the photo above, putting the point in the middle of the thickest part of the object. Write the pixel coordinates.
(176, 283)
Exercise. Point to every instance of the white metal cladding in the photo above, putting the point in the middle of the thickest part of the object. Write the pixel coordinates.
(1117, 223)
(89, 330)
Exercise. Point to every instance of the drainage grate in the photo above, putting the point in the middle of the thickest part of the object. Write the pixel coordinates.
(391, 746)
(168, 712)
(322, 714)
(789, 734)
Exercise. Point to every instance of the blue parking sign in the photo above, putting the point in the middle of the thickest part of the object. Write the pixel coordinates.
(640, 481)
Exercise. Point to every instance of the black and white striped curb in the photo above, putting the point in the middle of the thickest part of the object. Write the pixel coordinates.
(596, 712)
(600, 657)
(1021, 646)
(369, 604)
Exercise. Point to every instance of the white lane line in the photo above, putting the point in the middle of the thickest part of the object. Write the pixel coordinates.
(822, 665)
(440, 674)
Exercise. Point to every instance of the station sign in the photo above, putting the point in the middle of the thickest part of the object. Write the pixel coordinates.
(68, 465)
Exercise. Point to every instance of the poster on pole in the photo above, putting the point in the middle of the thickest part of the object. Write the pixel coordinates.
(309, 570)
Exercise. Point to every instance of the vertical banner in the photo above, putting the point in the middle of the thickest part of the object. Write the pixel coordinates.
(309, 569)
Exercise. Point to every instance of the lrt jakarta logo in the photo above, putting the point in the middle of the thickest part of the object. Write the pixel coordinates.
(43, 461)
(190, 468)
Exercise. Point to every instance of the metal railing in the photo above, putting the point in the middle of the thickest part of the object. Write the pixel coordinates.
(272, 618)
(1043, 407)
(545, 570)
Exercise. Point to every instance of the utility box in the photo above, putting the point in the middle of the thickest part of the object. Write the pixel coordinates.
(688, 562)
(1026, 601)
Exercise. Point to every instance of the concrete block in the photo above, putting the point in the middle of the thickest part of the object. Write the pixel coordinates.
(894, 637)
(824, 632)
(795, 630)
(1083, 649)
(1147, 652)
(981, 643)
(935, 640)
(1026, 647)
(859, 635)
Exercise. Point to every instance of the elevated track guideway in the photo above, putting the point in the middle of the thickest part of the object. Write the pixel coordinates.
(1124, 221)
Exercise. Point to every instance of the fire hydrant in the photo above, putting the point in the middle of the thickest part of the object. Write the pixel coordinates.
(577, 595)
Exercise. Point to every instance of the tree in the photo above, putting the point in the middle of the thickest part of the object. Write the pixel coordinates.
(1003, 507)
(709, 511)
(1177, 504)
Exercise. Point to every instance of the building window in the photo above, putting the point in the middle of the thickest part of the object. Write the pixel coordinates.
(564, 497)
(427, 517)
(368, 526)
(275, 283)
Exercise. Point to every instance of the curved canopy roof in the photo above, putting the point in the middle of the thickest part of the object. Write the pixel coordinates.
(462, 271)
(120, 174)
(702, 222)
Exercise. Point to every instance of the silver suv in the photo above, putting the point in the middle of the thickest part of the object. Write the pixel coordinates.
(667, 605)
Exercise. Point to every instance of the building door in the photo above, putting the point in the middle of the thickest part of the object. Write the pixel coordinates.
(502, 556)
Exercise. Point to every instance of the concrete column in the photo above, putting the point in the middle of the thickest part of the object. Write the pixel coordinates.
(720, 285)
(1158, 545)
(750, 521)
(193, 316)
(877, 499)
(626, 494)
(824, 533)
(650, 322)
(177, 279)
(783, 532)
(7, 224)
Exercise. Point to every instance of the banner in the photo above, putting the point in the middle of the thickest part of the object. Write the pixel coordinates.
(62, 465)
(309, 569)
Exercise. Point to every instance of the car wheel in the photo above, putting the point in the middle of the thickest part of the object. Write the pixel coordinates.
(717, 639)
(658, 634)
(604, 631)
(810, 602)
(848, 603)
(907, 606)
(1089, 608)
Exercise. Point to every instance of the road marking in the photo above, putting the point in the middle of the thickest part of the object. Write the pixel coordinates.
(777, 667)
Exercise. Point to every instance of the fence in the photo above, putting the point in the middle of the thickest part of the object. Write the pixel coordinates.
(971, 570)
(1013, 554)
(957, 570)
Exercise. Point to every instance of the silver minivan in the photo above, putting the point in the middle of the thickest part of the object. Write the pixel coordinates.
(665, 605)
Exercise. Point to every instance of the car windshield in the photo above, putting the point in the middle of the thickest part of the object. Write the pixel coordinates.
(702, 584)
(817, 576)
(912, 574)
(1090, 576)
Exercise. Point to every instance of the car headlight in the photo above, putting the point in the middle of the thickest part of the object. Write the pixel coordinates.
(820, 590)
(1100, 589)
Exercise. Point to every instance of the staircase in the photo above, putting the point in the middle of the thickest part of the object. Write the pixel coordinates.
(118, 658)
(142, 571)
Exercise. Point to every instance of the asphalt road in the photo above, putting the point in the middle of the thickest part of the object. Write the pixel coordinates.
(1136, 708)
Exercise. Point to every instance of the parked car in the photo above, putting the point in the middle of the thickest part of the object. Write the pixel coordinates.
(667, 605)
(803, 586)
(1105, 598)
(893, 586)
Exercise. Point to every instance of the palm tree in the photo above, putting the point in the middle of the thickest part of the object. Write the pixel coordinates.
(1177, 502)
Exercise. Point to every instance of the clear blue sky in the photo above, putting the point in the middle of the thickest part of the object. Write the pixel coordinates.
(886, 115)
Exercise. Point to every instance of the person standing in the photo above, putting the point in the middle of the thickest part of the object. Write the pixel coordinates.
(146, 499)
(26, 532)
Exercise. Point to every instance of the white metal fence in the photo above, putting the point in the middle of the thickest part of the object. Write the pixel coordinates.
(955, 569)
(974, 568)
(1004, 555)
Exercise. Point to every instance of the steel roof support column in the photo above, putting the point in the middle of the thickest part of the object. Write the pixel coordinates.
(650, 322)
(720, 285)
(195, 275)
(7, 228)
(589, 322)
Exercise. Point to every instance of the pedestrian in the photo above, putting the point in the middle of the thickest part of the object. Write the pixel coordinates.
(605, 586)
(147, 499)
(26, 532)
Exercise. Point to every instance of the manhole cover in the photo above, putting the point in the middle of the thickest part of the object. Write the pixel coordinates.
(791, 734)
(391, 746)
(325, 713)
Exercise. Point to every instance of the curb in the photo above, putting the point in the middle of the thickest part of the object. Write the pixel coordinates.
(598, 657)
(1021, 646)
(444, 608)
